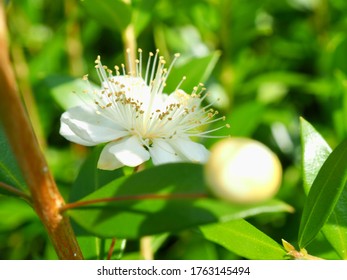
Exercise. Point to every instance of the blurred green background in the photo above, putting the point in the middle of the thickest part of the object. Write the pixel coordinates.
(279, 60)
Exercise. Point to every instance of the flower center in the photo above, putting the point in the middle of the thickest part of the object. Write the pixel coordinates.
(139, 105)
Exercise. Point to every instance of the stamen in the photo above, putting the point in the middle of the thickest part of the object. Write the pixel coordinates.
(140, 64)
(123, 69)
(176, 56)
(154, 65)
(155, 118)
(180, 83)
(117, 70)
(137, 62)
(147, 68)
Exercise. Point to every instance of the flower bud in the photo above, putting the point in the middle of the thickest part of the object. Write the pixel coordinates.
(243, 170)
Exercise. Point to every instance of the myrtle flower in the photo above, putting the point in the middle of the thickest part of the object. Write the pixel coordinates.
(135, 118)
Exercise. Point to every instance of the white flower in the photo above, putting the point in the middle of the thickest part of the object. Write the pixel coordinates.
(137, 120)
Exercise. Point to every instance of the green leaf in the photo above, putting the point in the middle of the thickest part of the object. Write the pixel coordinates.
(14, 213)
(314, 153)
(324, 194)
(90, 247)
(335, 229)
(132, 218)
(90, 178)
(244, 239)
(196, 71)
(68, 91)
(114, 14)
(9, 171)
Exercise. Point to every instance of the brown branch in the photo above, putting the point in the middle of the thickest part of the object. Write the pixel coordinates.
(46, 197)
(110, 251)
(15, 191)
(79, 204)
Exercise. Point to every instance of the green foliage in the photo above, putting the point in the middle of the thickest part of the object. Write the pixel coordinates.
(315, 153)
(90, 178)
(264, 64)
(138, 217)
(9, 171)
(107, 13)
(241, 124)
(244, 239)
(94, 248)
(22, 235)
(67, 91)
(197, 70)
(324, 194)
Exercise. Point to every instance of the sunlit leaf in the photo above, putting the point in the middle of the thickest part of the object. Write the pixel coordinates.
(324, 194)
(147, 215)
(314, 153)
(244, 239)
(335, 229)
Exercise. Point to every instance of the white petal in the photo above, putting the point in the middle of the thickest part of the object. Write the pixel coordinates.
(71, 136)
(161, 152)
(130, 151)
(107, 160)
(194, 152)
(80, 123)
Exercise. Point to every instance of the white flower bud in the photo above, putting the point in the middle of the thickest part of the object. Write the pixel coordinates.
(243, 170)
